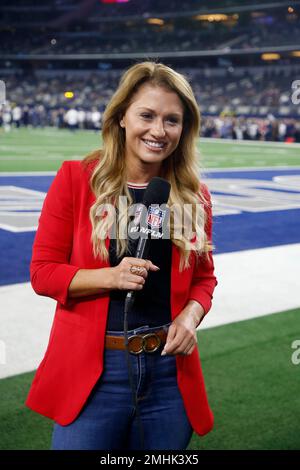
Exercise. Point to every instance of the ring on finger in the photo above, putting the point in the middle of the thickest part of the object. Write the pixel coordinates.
(136, 270)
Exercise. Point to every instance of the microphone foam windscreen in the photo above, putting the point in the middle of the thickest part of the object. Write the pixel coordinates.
(157, 192)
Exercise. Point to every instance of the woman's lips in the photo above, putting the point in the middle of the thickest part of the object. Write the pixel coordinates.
(154, 148)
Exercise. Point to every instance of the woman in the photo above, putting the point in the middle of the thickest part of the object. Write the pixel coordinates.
(150, 128)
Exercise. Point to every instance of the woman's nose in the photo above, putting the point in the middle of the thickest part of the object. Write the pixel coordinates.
(158, 129)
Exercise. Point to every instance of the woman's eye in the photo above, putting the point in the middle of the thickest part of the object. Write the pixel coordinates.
(172, 120)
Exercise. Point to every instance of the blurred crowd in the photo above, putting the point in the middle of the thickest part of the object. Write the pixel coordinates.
(239, 103)
(38, 116)
(242, 90)
(65, 27)
(224, 127)
(146, 38)
(241, 128)
(112, 40)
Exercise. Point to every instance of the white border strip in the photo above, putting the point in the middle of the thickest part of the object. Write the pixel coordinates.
(248, 168)
(255, 143)
(27, 173)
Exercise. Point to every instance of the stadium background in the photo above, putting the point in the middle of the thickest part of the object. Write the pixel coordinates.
(60, 61)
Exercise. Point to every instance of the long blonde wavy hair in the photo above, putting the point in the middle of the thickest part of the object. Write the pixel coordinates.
(108, 180)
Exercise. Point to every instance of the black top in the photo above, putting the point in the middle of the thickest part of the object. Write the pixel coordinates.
(152, 304)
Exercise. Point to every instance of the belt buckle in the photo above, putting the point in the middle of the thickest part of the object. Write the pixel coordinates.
(139, 347)
(143, 343)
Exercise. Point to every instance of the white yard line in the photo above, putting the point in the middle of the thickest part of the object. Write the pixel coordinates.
(27, 173)
(252, 283)
(38, 158)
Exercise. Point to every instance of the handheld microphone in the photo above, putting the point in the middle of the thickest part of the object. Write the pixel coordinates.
(156, 194)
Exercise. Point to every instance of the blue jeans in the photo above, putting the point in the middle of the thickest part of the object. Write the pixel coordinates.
(109, 421)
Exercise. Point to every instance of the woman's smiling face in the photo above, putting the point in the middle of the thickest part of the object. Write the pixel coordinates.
(153, 125)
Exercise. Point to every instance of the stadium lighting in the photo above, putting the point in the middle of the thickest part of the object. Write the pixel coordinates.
(212, 17)
(155, 21)
(270, 56)
(69, 94)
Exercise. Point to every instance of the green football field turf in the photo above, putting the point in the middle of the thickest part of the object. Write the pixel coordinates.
(45, 149)
(252, 384)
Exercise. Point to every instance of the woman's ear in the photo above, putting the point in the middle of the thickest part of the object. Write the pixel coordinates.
(122, 123)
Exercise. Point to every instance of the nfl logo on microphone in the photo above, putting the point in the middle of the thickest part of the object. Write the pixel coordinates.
(155, 217)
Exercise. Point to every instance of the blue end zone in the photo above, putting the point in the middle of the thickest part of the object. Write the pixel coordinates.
(248, 231)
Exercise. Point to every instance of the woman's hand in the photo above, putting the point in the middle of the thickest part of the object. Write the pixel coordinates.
(182, 337)
(126, 277)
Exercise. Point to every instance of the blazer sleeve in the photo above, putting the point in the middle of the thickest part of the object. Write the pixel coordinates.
(204, 280)
(50, 271)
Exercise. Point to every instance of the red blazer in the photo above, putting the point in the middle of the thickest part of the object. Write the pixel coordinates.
(73, 361)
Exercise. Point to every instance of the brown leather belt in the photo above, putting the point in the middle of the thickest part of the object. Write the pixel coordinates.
(148, 342)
